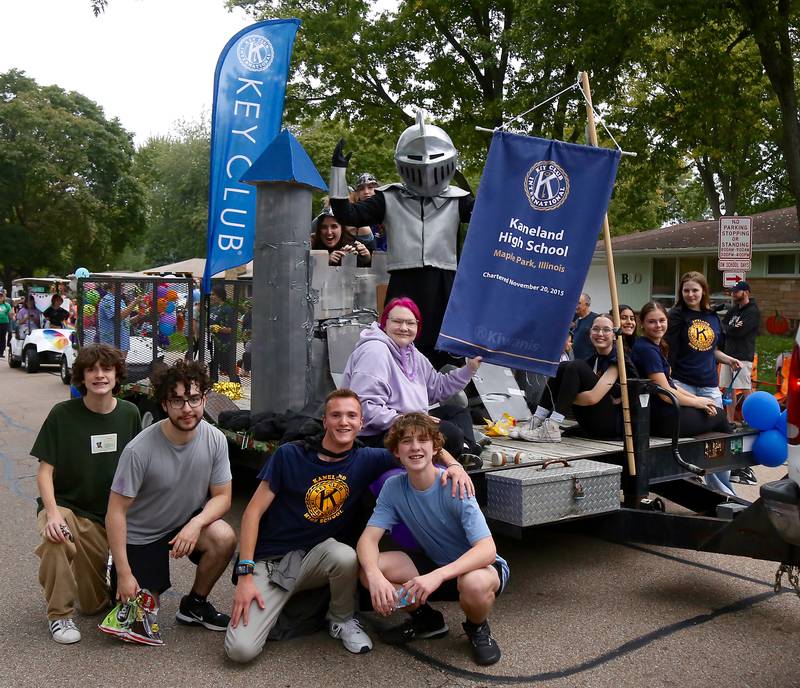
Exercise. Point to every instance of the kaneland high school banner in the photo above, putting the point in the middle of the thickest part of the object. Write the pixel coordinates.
(249, 88)
(536, 221)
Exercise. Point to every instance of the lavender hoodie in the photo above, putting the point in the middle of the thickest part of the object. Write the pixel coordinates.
(392, 380)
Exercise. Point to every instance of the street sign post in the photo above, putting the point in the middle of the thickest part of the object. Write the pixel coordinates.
(744, 265)
(730, 279)
(735, 243)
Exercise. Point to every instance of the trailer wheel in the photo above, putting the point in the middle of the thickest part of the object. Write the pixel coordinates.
(32, 359)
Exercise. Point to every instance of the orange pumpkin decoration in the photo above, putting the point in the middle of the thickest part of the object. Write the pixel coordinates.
(777, 324)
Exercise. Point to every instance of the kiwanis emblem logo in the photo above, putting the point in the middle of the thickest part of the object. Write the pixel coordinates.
(701, 335)
(325, 498)
(546, 185)
(255, 53)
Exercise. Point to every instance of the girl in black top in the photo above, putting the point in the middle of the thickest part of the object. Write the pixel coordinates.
(329, 234)
(589, 389)
(627, 323)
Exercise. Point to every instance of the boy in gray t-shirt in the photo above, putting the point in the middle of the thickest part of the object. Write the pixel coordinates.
(171, 489)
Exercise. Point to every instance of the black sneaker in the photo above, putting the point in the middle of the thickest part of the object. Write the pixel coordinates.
(744, 476)
(191, 612)
(425, 622)
(485, 649)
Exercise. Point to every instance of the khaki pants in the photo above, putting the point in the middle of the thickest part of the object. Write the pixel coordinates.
(70, 569)
(329, 563)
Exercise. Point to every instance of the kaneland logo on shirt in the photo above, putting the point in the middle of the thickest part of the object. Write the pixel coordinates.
(701, 335)
(326, 497)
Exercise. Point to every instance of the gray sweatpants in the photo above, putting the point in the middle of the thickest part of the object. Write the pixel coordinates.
(329, 563)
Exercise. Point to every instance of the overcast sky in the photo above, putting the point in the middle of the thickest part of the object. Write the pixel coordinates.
(147, 62)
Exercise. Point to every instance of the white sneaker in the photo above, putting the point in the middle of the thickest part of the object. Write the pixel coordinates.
(548, 431)
(352, 636)
(64, 631)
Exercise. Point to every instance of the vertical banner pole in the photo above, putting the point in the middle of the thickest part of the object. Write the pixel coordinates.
(612, 286)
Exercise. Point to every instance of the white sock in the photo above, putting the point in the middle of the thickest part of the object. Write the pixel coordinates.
(557, 417)
(541, 412)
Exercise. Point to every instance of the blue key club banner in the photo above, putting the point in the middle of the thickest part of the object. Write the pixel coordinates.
(533, 231)
(249, 89)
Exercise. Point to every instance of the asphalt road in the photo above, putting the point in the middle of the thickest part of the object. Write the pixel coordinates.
(578, 611)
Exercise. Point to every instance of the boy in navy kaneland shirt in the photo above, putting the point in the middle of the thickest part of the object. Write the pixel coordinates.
(291, 530)
(460, 562)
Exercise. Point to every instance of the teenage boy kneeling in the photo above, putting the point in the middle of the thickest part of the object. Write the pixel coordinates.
(460, 561)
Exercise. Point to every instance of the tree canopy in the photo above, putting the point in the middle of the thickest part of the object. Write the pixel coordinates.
(67, 193)
(689, 87)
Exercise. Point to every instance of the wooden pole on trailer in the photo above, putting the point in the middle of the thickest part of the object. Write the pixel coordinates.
(612, 286)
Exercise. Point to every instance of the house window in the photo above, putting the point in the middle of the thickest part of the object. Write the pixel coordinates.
(664, 278)
(782, 264)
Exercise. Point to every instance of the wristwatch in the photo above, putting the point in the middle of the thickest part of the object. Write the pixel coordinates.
(245, 568)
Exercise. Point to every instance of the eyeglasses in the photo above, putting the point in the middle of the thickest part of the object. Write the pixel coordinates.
(177, 402)
(601, 330)
(407, 323)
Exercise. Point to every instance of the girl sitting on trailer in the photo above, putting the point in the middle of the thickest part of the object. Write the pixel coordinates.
(589, 389)
(697, 414)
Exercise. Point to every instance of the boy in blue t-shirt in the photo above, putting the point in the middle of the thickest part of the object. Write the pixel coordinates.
(460, 562)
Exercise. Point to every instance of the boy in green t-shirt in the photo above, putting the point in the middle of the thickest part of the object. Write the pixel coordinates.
(78, 447)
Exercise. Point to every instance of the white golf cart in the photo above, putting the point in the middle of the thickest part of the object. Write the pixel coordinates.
(37, 344)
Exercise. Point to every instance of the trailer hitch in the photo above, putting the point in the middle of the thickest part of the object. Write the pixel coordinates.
(653, 388)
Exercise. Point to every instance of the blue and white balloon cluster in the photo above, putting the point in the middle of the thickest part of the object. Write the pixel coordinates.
(762, 412)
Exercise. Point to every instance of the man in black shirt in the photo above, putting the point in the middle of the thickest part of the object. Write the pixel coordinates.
(741, 327)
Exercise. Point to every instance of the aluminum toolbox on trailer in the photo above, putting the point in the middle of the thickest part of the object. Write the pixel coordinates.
(552, 492)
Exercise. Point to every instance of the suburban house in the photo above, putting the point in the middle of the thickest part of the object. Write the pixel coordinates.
(649, 264)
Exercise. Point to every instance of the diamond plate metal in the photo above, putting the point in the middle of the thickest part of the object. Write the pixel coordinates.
(530, 496)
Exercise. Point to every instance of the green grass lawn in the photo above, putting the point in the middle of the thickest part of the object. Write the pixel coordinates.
(768, 347)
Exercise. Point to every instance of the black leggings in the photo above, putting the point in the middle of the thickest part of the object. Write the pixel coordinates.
(694, 421)
(456, 426)
(603, 419)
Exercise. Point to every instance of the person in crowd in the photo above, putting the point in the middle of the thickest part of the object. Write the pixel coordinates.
(247, 335)
(365, 188)
(584, 317)
(697, 414)
(459, 559)
(567, 354)
(391, 377)
(627, 323)
(295, 529)
(328, 234)
(28, 317)
(588, 388)
(741, 328)
(6, 314)
(422, 216)
(78, 448)
(223, 324)
(693, 337)
(170, 491)
(113, 317)
(55, 315)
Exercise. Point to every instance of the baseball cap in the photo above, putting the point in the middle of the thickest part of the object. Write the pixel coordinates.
(366, 178)
(740, 286)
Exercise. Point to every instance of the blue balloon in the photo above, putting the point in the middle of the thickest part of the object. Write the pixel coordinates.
(81, 272)
(771, 448)
(170, 307)
(780, 426)
(761, 410)
(166, 328)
